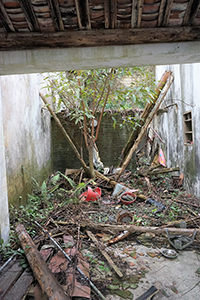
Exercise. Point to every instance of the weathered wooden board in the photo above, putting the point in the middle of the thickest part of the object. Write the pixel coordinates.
(9, 277)
(20, 287)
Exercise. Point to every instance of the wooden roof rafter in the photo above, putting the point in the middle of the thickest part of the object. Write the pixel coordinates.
(187, 15)
(113, 13)
(107, 13)
(29, 15)
(134, 13)
(83, 14)
(161, 12)
(56, 14)
(140, 5)
(194, 11)
(167, 12)
(7, 24)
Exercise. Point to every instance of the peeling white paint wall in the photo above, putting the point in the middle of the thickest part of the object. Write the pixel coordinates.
(4, 213)
(185, 95)
(24, 140)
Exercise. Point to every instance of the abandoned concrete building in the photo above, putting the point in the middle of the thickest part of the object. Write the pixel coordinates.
(38, 36)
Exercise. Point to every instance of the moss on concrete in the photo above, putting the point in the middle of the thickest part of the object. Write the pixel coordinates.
(21, 182)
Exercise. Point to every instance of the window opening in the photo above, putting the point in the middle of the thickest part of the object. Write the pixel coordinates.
(188, 133)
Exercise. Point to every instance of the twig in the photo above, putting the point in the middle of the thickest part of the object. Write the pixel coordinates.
(105, 254)
(168, 207)
(184, 202)
(108, 92)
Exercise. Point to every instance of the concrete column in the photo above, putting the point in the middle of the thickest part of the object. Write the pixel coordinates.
(4, 211)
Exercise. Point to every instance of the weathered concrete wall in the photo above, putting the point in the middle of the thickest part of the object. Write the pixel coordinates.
(110, 144)
(4, 213)
(184, 94)
(45, 60)
(26, 134)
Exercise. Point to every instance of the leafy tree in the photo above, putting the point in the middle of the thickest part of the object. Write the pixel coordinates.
(83, 93)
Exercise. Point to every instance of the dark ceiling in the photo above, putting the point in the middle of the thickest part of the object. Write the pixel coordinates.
(33, 24)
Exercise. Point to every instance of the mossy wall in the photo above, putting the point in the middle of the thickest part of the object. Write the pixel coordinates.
(26, 135)
(110, 143)
(182, 97)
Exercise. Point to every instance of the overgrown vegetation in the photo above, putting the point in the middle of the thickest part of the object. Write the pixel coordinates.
(58, 191)
(58, 199)
(84, 93)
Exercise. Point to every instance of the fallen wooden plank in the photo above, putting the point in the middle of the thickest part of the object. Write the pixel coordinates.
(9, 277)
(148, 294)
(43, 275)
(100, 246)
(161, 171)
(141, 229)
(20, 287)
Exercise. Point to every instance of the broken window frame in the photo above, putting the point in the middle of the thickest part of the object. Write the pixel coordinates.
(188, 128)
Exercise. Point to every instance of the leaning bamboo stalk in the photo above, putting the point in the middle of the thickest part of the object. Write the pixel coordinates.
(146, 112)
(144, 127)
(47, 282)
(66, 135)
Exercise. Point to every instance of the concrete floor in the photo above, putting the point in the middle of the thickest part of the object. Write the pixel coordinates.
(165, 274)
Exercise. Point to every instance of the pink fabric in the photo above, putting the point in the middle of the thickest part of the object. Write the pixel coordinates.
(161, 158)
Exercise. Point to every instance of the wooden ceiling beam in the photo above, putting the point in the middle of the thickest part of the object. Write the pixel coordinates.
(56, 14)
(5, 19)
(93, 38)
(167, 12)
(29, 15)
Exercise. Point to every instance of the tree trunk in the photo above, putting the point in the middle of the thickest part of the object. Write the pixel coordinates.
(90, 147)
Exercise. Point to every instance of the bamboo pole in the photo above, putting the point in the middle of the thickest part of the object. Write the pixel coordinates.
(83, 164)
(47, 282)
(141, 229)
(147, 110)
(145, 126)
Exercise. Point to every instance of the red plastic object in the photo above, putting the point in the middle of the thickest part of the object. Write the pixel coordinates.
(91, 195)
(131, 193)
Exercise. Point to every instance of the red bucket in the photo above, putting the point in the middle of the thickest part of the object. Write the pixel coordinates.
(91, 195)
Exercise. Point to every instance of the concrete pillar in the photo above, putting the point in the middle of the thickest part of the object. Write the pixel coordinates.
(4, 211)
